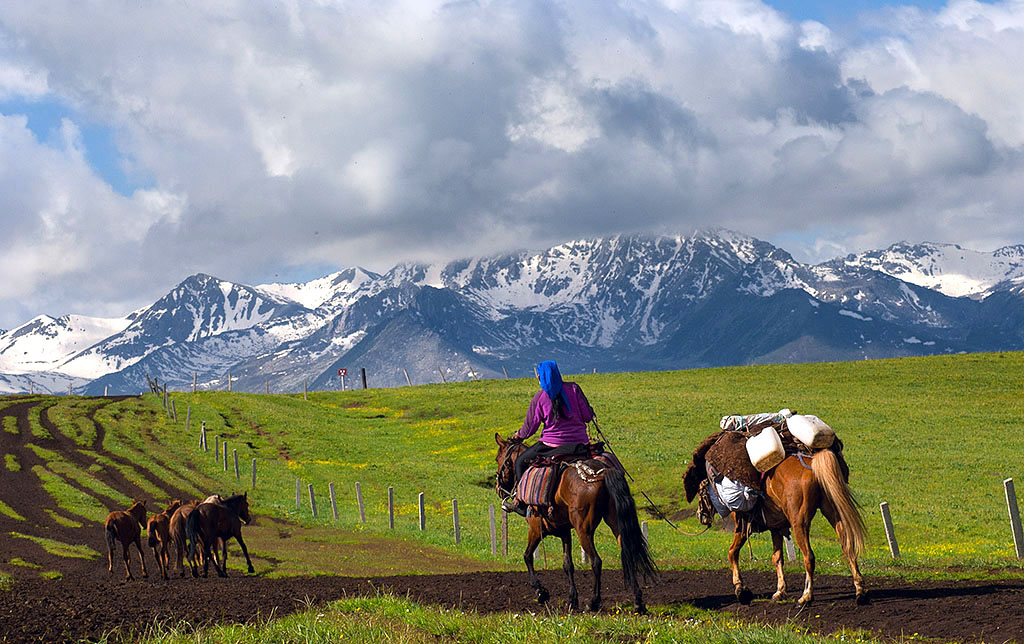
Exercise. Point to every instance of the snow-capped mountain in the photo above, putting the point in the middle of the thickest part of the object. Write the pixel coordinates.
(618, 304)
(947, 268)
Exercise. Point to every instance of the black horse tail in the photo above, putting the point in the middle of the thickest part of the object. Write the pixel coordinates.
(191, 533)
(152, 539)
(111, 534)
(636, 557)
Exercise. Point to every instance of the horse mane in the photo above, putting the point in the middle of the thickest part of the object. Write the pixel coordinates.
(696, 472)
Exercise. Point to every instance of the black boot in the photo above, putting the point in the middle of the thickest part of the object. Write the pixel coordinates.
(512, 504)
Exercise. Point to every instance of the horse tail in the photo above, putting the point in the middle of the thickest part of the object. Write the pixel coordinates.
(829, 476)
(191, 533)
(111, 534)
(636, 557)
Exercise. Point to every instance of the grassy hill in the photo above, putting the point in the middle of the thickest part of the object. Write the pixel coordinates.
(935, 437)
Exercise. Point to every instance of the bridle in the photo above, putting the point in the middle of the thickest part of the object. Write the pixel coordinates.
(507, 468)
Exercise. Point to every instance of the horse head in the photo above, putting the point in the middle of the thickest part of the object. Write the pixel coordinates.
(138, 512)
(174, 505)
(508, 450)
(239, 503)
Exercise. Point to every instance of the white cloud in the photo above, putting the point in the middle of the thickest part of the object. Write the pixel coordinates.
(281, 135)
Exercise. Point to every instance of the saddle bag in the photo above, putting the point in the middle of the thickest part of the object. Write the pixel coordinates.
(811, 431)
(765, 450)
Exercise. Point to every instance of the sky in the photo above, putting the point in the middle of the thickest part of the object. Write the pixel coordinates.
(263, 141)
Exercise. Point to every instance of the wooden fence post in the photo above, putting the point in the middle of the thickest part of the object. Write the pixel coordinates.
(391, 507)
(359, 500)
(423, 516)
(334, 504)
(643, 531)
(312, 500)
(890, 535)
(104, 391)
(174, 411)
(188, 417)
(225, 444)
(234, 453)
(254, 473)
(304, 396)
(216, 448)
(298, 494)
(1011, 506)
(229, 381)
(69, 388)
(504, 531)
(584, 559)
(790, 549)
(504, 371)
(362, 370)
(407, 380)
(494, 533)
(202, 438)
(455, 520)
(442, 375)
(195, 380)
(267, 384)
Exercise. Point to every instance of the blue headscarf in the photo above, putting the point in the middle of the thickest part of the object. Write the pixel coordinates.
(551, 382)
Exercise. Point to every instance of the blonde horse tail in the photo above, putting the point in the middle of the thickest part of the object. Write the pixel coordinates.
(830, 478)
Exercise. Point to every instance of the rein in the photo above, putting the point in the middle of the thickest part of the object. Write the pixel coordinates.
(506, 464)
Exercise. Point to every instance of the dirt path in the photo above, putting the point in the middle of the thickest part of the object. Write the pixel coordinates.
(87, 603)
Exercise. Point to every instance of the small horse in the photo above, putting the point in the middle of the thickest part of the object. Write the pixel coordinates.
(212, 521)
(794, 494)
(158, 528)
(177, 533)
(125, 526)
(580, 505)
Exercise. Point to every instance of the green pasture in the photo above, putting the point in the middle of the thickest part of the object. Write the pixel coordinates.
(934, 437)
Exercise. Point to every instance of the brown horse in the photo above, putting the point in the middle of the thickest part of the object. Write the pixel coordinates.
(212, 521)
(581, 502)
(177, 533)
(794, 494)
(158, 528)
(125, 526)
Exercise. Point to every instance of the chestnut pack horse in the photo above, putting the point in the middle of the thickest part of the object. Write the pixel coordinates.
(580, 504)
(126, 526)
(211, 522)
(158, 528)
(795, 493)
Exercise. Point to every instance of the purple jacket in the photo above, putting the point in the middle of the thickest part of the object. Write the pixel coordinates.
(558, 431)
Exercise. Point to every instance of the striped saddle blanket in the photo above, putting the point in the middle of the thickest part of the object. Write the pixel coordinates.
(539, 482)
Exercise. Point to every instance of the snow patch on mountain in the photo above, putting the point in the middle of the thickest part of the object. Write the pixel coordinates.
(44, 343)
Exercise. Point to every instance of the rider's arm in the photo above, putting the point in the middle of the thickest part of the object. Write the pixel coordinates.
(533, 419)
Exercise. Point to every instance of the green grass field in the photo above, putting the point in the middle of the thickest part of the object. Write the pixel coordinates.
(934, 437)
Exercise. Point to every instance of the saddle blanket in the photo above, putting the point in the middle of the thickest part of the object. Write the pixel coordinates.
(537, 487)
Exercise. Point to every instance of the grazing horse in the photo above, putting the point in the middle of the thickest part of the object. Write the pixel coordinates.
(158, 528)
(125, 526)
(795, 493)
(580, 504)
(212, 521)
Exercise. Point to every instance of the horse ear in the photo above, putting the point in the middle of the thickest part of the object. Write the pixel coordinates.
(499, 440)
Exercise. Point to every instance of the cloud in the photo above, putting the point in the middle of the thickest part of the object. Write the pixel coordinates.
(281, 135)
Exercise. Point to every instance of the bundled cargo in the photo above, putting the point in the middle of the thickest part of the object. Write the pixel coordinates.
(765, 450)
(811, 431)
(751, 422)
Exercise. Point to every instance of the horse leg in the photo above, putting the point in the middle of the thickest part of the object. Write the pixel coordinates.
(742, 593)
(638, 593)
(801, 535)
(142, 555)
(124, 554)
(777, 561)
(587, 543)
(245, 551)
(573, 603)
(832, 515)
(533, 538)
(165, 558)
(223, 570)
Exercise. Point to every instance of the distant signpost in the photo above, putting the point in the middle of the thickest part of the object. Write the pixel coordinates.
(342, 372)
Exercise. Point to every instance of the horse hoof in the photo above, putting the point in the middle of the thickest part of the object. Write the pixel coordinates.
(744, 596)
(640, 610)
(572, 606)
(594, 605)
(863, 599)
(779, 596)
(543, 596)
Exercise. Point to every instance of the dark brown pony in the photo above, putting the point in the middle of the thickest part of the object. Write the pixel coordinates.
(212, 521)
(158, 528)
(177, 533)
(581, 502)
(125, 526)
(795, 493)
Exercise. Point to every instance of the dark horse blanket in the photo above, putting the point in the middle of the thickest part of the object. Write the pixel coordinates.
(540, 480)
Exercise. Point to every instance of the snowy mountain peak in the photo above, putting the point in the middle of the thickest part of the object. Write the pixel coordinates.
(44, 343)
(947, 268)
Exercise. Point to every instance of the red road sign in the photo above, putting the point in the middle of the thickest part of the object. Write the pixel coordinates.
(342, 372)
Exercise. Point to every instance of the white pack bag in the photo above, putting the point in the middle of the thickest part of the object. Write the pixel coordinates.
(765, 450)
(810, 430)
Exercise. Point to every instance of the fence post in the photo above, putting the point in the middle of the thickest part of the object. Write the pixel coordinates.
(391, 507)
(268, 386)
(225, 444)
(1011, 506)
(334, 504)
(312, 500)
(229, 381)
(195, 378)
(643, 531)
(407, 380)
(583, 556)
(455, 520)
(504, 372)
(298, 494)
(202, 438)
(188, 417)
(423, 516)
(174, 410)
(890, 535)
(359, 500)
(304, 396)
(504, 531)
(442, 375)
(216, 448)
(234, 453)
(790, 549)
(254, 473)
(362, 370)
(105, 391)
(494, 534)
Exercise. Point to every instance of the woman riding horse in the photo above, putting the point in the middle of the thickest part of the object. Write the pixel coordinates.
(564, 411)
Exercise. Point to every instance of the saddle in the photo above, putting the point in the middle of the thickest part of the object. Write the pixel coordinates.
(540, 480)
